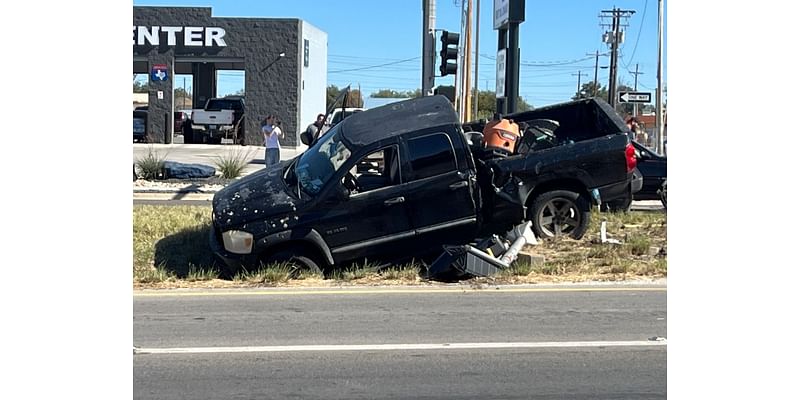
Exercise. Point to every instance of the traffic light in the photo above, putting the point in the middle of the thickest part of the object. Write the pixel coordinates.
(449, 53)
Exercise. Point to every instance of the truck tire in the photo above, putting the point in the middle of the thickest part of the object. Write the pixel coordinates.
(560, 213)
(296, 260)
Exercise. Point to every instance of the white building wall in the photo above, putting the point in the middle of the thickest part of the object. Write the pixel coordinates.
(314, 77)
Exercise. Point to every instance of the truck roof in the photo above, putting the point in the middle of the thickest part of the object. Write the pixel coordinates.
(395, 119)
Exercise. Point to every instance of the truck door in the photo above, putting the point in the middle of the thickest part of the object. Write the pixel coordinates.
(373, 221)
(440, 190)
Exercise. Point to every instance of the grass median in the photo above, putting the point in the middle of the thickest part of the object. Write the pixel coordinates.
(170, 249)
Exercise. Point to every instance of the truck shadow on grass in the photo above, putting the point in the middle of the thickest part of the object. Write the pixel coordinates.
(188, 248)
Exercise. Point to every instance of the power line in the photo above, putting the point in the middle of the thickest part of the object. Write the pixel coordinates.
(637, 36)
(543, 63)
(375, 66)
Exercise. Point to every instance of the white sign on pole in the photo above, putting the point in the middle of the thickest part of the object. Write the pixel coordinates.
(634, 97)
(500, 13)
(500, 89)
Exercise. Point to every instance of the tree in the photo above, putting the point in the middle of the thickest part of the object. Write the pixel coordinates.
(624, 109)
(588, 90)
(387, 94)
(139, 87)
(354, 99)
(179, 92)
(330, 95)
(392, 94)
(487, 103)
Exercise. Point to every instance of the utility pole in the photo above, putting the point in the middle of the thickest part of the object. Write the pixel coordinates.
(428, 51)
(466, 93)
(184, 93)
(579, 83)
(614, 38)
(659, 113)
(596, 60)
(477, 58)
(636, 88)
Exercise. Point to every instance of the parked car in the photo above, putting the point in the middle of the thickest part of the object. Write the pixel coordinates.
(140, 122)
(401, 180)
(340, 114)
(139, 125)
(653, 168)
(180, 118)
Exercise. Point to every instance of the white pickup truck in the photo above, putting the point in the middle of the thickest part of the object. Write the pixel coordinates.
(221, 118)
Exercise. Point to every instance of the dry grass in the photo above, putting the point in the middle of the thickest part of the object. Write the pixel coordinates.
(171, 250)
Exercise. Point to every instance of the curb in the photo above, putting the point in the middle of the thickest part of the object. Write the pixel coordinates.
(173, 195)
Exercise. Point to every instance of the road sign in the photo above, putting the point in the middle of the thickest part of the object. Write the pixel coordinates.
(633, 97)
(159, 72)
(500, 78)
(500, 14)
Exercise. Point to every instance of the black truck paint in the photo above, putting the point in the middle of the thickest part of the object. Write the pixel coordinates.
(430, 187)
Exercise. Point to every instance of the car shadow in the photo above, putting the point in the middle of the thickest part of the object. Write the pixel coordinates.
(183, 250)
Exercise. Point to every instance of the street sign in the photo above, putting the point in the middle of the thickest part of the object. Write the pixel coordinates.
(500, 79)
(633, 97)
(500, 14)
(159, 72)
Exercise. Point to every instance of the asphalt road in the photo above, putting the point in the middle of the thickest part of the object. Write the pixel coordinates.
(521, 342)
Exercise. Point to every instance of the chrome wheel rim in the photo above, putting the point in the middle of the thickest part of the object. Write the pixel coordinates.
(558, 217)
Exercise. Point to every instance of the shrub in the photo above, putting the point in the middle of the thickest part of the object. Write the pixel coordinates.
(232, 164)
(151, 166)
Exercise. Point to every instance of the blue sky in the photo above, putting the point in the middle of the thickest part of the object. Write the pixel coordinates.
(557, 41)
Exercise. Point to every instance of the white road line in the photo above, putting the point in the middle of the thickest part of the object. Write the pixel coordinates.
(397, 347)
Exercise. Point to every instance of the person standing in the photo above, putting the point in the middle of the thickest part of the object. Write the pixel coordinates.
(272, 133)
(314, 129)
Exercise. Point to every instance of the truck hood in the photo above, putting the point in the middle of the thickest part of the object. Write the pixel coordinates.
(262, 197)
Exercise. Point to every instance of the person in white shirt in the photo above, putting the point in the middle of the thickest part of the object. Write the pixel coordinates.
(272, 133)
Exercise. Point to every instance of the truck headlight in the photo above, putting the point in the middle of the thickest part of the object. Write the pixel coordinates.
(238, 242)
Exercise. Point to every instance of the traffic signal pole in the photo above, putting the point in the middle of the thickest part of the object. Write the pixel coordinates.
(428, 51)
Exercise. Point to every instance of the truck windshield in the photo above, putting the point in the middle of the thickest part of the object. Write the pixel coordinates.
(321, 161)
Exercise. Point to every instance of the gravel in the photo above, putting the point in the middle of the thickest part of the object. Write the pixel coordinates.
(212, 184)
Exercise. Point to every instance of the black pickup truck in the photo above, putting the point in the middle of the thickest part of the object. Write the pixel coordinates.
(404, 179)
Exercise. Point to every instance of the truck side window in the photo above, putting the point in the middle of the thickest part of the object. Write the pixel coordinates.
(377, 170)
(431, 155)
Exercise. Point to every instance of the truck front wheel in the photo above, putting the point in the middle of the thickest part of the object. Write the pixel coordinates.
(295, 261)
(560, 213)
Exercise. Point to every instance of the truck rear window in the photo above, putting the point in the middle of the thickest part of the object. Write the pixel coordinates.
(222, 104)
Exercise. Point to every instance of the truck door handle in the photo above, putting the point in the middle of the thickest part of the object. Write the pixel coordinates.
(458, 185)
(396, 200)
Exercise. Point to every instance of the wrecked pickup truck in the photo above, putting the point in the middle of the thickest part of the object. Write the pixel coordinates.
(400, 181)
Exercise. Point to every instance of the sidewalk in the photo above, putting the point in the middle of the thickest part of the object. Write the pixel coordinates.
(196, 154)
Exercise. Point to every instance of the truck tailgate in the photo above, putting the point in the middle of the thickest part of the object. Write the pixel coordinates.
(221, 117)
